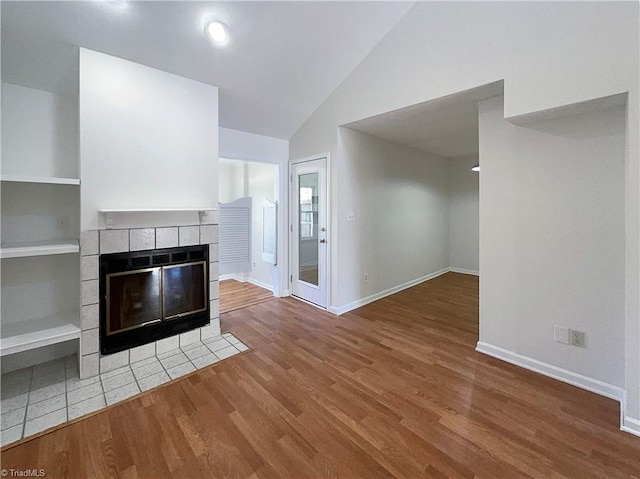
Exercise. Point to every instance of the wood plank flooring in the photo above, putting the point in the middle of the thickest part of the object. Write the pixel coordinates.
(235, 295)
(393, 389)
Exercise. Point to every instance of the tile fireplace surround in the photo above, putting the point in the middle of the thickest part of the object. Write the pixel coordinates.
(93, 243)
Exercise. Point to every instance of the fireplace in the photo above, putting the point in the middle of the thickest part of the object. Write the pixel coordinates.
(150, 295)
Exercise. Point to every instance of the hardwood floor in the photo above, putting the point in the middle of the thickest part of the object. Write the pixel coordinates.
(393, 389)
(235, 295)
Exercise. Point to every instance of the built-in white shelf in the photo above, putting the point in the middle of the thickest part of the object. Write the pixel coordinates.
(35, 333)
(38, 248)
(50, 180)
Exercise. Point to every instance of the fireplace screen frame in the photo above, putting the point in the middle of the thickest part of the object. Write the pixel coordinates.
(119, 264)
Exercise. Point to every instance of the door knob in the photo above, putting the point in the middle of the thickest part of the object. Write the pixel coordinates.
(323, 240)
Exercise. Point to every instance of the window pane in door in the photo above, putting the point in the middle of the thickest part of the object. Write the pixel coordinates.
(308, 227)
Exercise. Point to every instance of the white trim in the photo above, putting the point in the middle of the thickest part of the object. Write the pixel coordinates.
(374, 297)
(630, 425)
(38, 248)
(260, 284)
(627, 423)
(329, 245)
(186, 209)
(309, 158)
(51, 180)
(26, 335)
(464, 271)
(549, 370)
(242, 278)
(309, 302)
(251, 158)
(236, 277)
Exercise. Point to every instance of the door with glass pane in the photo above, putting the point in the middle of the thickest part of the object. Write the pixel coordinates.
(309, 231)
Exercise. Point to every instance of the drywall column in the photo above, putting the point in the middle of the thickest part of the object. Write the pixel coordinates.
(463, 216)
(631, 409)
(552, 236)
(148, 139)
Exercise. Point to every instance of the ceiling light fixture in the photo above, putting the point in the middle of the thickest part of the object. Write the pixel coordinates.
(475, 167)
(217, 32)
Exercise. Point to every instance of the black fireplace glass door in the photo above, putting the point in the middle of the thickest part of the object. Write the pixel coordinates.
(184, 289)
(133, 299)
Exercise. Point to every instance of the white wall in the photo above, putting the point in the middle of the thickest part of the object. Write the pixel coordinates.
(400, 203)
(240, 145)
(262, 184)
(148, 139)
(231, 180)
(552, 232)
(464, 220)
(548, 56)
(40, 131)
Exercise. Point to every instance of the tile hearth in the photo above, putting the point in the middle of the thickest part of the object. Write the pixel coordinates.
(45, 395)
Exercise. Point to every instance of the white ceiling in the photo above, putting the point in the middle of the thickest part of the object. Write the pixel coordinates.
(446, 127)
(283, 59)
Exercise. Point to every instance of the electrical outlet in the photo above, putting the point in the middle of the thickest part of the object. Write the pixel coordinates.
(561, 334)
(365, 277)
(577, 338)
(254, 264)
(351, 216)
(62, 222)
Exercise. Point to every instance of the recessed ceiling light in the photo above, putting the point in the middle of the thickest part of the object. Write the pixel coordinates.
(217, 32)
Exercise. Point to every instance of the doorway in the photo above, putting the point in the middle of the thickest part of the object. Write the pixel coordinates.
(248, 195)
(309, 235)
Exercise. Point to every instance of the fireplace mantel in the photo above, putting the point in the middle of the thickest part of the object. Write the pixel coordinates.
(110, 213)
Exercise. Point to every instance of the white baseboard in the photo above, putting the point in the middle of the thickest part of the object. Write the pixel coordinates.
(564, 375)
(464, 271)
(260, 283)
(338, 310)
(630, 425)
(245, 279)
(235, 277)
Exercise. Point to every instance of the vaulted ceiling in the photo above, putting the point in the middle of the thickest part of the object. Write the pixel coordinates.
(283, 59)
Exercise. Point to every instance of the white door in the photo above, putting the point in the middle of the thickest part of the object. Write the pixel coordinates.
(309, 231)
